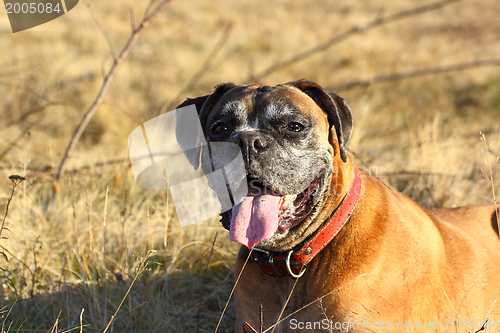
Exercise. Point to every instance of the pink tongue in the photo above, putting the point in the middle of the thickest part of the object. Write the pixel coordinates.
(254, 219)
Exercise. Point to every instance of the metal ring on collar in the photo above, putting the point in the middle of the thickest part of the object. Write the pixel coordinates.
(292, 274)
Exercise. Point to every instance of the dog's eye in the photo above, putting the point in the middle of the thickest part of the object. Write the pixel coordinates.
(295, 127)
(219, 128)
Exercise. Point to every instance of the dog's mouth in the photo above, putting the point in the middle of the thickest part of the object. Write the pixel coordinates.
(263, 212)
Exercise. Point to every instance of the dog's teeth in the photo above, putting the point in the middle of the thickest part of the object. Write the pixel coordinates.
(283, 203)
(287, 201)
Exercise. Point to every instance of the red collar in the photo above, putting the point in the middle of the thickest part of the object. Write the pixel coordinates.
(294, 261)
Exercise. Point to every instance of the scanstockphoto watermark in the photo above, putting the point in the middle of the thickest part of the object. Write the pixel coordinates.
(356, 324)
(353, 324)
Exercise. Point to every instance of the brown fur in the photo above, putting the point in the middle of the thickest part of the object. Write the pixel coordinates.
(394, 261)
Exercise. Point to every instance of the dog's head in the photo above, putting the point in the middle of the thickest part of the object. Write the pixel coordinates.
(292, 138)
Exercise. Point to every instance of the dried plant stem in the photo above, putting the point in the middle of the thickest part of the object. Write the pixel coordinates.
(232, 291)
(203, 284)
(7, 316)
(148, 239)
(16, 180)
(317, 300)
(284, 306)
(16, 141)
(104, 253)
(165, 236)
(416, 73)
(205, 66)
(139, 271)
(105, 86)
(490, 177)
(104, 232)
(81, 320)
(343, 36)
(101, 27)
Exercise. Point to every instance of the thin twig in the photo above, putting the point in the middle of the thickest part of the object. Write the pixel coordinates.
(49, 169)
(28, 113)
(16, 180)
(490, 179)
(148, 8)
(101, 27)
(7, 315)
(132, 18)
(16, 141)
(17, 259)
(203, 284)
(104, 229)
(205, 66)
(81, 320)
(105, 85)
(232, 291)
(247, 325)
(284, 306)
(343, 36)
(317, 300)
(139, 271)
(416, 73)
(483, 327)
(20, 326)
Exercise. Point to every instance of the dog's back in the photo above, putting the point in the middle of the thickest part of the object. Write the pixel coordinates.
(472, 245)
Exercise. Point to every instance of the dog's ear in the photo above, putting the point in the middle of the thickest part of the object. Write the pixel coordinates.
(187, 131)
(215, 95)
(189, 140)
(339, 114)
(198, 102)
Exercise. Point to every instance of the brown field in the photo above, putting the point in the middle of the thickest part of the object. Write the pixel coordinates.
(77, 244)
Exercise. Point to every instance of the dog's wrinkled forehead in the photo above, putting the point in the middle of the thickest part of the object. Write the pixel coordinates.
(255, 104)
(297, 100)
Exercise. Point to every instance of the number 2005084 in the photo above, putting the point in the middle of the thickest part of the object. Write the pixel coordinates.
(32, 8)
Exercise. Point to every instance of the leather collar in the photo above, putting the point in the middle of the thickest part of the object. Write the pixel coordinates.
(293, 262)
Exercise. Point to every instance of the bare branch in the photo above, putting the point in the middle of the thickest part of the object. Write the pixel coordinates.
(132, 18)
(148, 8)
(16, 141)
(105, 85)
(205, 66)
(101, 27)
(343, 36)
(26, 114)
(419, 72)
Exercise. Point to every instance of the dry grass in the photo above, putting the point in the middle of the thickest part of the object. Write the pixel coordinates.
(420, 135)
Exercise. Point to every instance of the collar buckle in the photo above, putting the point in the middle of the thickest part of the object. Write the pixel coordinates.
(292, 274)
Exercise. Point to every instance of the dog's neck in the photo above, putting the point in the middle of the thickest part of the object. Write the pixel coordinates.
(340, 183)
(294, 261)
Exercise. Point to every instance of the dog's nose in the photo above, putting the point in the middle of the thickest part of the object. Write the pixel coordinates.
(251, 144)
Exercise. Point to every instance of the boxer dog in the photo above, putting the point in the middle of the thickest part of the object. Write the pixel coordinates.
(326, 247)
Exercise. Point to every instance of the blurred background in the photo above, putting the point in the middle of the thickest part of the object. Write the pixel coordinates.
(73, 247)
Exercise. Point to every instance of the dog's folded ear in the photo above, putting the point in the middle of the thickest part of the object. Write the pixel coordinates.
(198, 102)
(189, 126)
(339, 114)
(215, 95)
(188, 132)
